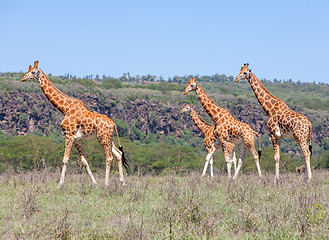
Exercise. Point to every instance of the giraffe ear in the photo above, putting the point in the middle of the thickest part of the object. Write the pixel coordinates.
(30, 67)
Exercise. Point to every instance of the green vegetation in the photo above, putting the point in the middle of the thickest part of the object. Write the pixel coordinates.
(26, 153)
(163, 207)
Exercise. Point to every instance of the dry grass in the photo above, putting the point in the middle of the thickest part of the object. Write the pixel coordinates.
(168, 207)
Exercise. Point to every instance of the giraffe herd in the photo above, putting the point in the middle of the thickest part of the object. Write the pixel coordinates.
(227, 133)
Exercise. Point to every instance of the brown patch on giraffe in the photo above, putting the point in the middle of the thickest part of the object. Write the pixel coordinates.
(73, 111)
(268, 104)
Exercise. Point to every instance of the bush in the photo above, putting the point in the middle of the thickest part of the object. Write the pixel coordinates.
(112, 83)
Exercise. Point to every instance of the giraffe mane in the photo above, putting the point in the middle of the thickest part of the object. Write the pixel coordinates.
(203, 121)
(262, 86)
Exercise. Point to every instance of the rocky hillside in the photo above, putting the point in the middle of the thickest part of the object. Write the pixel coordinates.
(22, 113)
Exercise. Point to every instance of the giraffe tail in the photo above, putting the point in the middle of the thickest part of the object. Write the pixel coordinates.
(259, 145)
(310, 139)
(123, 157)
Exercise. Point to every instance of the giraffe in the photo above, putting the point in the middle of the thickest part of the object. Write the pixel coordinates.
(78, 124)
(227, 128)
(209, 141)
(283, 122)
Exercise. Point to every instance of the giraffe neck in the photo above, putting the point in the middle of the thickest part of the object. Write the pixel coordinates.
(270, 103)
(58, 99)
(199, 122)
(213, 110)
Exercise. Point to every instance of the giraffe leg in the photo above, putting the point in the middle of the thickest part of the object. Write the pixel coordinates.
(255, 157)
(108, 159)
(211, 171)
(307, 157)
(234, 160)
(211, 150)
(229, 156)
(79, 147)
(209, 156)
(276, 148)
(117, 154)
(68, 146)
(242, 149)
(228, 160)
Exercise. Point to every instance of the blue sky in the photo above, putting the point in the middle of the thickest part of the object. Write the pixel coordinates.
(279, 39)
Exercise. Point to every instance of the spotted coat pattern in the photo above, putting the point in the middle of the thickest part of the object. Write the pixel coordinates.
(283, 122)
(78, 124)
(210, 142)
(227, 128)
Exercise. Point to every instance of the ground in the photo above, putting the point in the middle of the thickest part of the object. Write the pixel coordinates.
(164, 207)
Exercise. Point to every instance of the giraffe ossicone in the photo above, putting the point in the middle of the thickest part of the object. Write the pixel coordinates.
(78, 124)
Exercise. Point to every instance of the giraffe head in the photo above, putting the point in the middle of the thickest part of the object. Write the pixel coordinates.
(33, 73)
(187, 108)
(244, 73)
(191, 86)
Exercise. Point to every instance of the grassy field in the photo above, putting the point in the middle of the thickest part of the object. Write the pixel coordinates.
(164, 207)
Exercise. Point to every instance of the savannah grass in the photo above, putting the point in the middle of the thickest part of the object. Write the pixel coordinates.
(164, 207)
